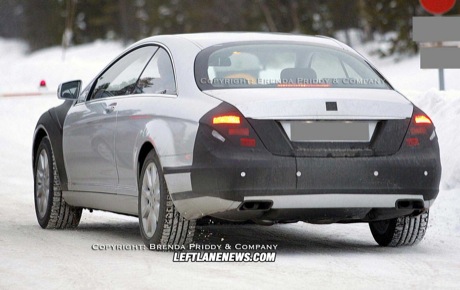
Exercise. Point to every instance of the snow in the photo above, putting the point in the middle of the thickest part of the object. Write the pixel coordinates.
(320, 256)
(22, 72)
(444, 109)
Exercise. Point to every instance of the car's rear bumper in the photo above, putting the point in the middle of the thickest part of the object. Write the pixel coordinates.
(222, 181)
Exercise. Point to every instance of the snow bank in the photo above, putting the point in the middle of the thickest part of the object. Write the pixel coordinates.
(22, 71)
(444, 110)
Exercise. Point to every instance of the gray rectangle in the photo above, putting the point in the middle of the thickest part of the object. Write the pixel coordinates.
(329, 131)
(436, 28)
(440, 57)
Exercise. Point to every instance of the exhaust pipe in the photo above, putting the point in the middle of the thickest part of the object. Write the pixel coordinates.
(410, 204)
(256, 205)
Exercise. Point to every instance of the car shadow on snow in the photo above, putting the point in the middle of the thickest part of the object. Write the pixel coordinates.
(289, 239)
(115, 232)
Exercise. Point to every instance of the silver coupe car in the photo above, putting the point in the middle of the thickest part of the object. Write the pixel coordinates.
(261, 127)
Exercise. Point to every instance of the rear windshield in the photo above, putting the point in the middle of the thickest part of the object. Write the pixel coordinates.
(282, 65)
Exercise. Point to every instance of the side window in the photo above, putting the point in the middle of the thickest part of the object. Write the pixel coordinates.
(158, 76)
(327, 66)
(120, 79)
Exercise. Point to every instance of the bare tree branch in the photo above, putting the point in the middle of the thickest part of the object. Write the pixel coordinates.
(268, 17)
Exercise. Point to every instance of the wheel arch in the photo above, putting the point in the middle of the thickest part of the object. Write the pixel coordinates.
(50, 124)
(163, 142)
(40, 133)
(146, 147)
(47, 126)
(143, 152)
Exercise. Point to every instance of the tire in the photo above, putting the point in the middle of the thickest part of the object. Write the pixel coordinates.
(401, 231)
(51, 209)
(162, 227)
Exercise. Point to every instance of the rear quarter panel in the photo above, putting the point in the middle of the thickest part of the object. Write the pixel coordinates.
(169, 123)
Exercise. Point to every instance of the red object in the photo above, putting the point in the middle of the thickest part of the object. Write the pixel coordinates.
(42, 83)
(303, 85)
(418, 130)
(248, 142)
(238, 131)
(412, 142)
(437, 7)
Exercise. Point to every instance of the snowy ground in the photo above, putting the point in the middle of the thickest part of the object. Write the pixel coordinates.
(326, 256)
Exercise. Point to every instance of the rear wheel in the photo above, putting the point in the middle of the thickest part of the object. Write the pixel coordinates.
(401, 231)
(159, 221)
(51, 209)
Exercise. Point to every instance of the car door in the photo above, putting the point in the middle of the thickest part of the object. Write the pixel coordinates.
(156, 83)
(89, 129)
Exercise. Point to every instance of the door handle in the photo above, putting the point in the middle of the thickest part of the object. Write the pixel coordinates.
(110, 108)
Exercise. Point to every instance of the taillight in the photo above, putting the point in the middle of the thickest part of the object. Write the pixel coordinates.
(229, 125)
(412, 142)
(238, 131)
(419, 129)
(248, 142)
(232, 126)
(422, 119)
(227, 119)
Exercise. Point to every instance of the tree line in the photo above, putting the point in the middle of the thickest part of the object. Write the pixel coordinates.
(42, 22)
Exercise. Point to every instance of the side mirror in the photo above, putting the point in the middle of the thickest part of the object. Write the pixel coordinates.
(69, 90)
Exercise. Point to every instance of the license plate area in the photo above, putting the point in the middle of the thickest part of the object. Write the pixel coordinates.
(329, 131)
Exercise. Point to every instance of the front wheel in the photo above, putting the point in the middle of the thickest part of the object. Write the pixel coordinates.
(401, 231)
(161, 225)
(50, 207)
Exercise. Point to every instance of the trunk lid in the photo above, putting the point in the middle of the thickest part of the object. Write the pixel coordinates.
(310, 104)
(304, 123)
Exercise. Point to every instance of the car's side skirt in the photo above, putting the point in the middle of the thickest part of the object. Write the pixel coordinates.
(118, 203)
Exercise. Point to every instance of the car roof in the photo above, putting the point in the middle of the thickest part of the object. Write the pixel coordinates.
(204, 40)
